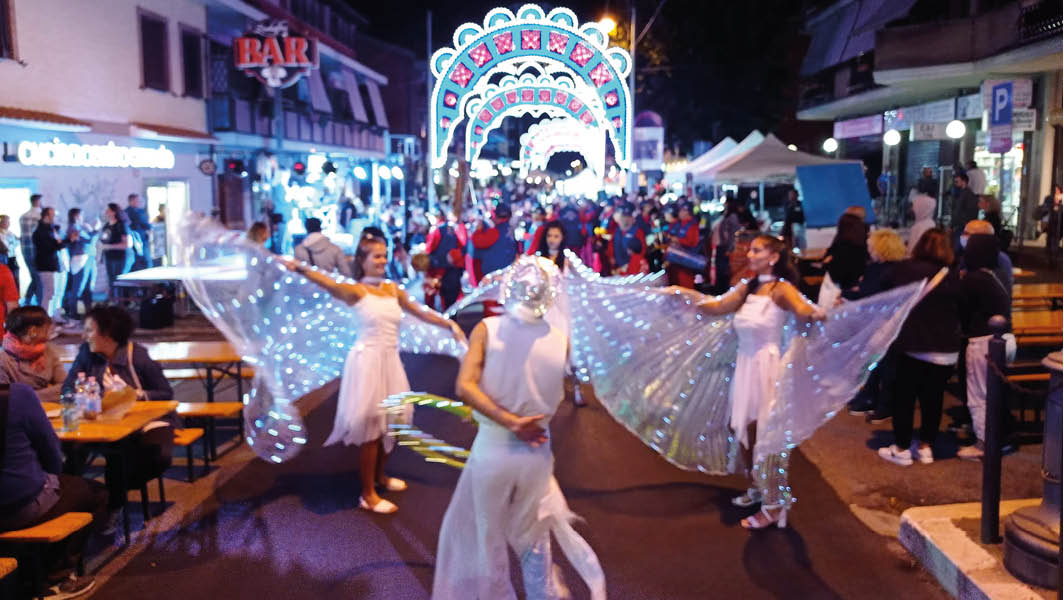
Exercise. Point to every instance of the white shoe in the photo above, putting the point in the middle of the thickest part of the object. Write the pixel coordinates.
(895, 455)
(383, 507)
(925, 456)
(393, 484)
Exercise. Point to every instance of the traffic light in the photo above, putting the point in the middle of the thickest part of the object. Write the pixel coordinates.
(234, 165)
(299, 167)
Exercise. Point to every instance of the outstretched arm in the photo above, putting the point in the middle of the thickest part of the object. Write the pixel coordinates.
(527, 429)
(787, 297)
(428, 315)
(727, 302)
(349, 293)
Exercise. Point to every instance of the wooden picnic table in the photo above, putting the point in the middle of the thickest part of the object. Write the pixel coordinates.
(1037, 322)
(112, 436)
(214, 357)
(1027, 295)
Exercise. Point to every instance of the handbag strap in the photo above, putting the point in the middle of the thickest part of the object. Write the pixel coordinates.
(132, 370)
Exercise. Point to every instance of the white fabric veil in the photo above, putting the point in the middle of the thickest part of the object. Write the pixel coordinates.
(294, 334)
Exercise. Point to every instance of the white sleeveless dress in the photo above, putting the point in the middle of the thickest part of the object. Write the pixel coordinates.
(759, 328)
(507, 494)
(372, 372)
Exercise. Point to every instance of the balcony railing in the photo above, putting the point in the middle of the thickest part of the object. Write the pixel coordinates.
(969, 39)
(230, 113)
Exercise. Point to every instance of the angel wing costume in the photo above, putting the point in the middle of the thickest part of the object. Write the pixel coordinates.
(295, 335)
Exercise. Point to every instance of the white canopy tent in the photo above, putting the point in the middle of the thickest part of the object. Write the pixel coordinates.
(703, 174)
(701, 161)
(767, 161)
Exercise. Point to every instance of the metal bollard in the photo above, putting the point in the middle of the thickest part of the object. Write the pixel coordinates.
(995, 400)
(1032, 534)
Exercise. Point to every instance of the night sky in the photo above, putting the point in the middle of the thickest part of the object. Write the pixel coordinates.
(718, 67)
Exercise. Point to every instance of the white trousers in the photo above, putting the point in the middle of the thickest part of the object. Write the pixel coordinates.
(49, 298)
(507, 496)
(976, 358)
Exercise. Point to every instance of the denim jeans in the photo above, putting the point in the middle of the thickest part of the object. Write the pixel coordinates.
(78, 288)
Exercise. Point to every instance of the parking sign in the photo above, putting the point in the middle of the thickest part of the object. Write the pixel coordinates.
(1001, 104)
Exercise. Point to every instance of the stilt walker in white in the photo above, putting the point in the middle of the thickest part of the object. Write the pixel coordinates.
(513, 378)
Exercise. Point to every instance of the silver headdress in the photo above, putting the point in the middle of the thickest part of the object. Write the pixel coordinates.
(529, 287)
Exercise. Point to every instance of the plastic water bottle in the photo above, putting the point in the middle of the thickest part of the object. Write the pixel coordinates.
(81, 400)
(69, 411)
(94, 395)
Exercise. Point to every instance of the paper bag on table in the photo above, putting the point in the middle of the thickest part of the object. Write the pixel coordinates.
(117, 403)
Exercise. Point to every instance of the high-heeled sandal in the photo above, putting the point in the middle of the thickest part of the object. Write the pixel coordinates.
(763, 519)
(750, 498)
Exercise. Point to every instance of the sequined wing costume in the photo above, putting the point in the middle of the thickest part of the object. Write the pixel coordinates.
(664, 370)
(294, 334)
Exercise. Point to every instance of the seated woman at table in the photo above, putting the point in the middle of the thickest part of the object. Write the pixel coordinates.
(114, 360)
(108, 355)
(28, 357)
(33, 488)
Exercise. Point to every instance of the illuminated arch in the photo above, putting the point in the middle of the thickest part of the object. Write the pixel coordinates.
(547, 138)
(534, 93)
(506, 41)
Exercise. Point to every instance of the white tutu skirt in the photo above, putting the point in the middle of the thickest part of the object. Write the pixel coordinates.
(371, 374)
(753, 388)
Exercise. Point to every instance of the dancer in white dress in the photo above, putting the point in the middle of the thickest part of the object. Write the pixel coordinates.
(372, 371)
(760, 308)
(513, 377)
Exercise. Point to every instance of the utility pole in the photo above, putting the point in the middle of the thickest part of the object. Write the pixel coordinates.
(633, 176)
(430, 185)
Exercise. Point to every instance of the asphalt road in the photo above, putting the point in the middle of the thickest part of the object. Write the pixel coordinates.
(294, 531)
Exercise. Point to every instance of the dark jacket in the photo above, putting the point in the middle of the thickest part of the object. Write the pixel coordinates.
(148, 371)
(965, 208)
(875, 279)
(31, 449)
(985, 297)
(848, 262)
(934, 325)
(46, 248)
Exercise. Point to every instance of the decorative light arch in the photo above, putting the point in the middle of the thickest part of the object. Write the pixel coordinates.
(534, 92)
(507, 40)
(547, 138)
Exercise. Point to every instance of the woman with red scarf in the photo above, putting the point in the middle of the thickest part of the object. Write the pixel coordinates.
(28, 357)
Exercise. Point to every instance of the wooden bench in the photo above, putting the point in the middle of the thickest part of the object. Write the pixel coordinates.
(208, 412)
(32, 541)
(184, 438)
(1029, 378)
(7, 566)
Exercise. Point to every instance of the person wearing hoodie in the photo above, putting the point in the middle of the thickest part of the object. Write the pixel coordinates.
(316, 250)
(924, 211)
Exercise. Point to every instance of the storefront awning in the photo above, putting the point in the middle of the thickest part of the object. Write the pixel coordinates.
(20, 117)
(358, 108)
(168, 133)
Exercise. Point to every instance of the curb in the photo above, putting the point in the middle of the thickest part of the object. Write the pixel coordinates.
(964, 568)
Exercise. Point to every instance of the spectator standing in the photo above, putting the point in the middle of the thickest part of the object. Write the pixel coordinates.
(927, 184)
(926, 350)
(627, 243)
(78, 288)
(139, 230)
(28, 357)
(724, 237)
(494, 246)
(11, 244)
(1051, 223)
(318, 251)
(1003, 270)
(794, 222)
(27, 225)
(258, 233)
(8, 294)
(965, 207)
(684, 235)
(444, 246)
(847, 256)
(117, 246)
(985, 296)
(976, 179)
(924, 212)
(46, 247)
(33, 488)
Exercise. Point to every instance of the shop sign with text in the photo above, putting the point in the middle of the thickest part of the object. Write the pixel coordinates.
(852, 128)
(269, 53)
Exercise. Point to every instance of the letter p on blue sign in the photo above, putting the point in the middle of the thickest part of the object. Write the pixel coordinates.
(1001, 104)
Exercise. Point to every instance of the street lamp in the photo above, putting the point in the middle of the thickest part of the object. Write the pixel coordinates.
(892, 137)
(830, 145)
(608, 24)
(955, 129)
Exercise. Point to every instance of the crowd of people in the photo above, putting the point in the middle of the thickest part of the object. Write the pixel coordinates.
(56, 263)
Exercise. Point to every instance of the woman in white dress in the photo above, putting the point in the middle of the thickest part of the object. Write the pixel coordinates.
(760, 306)
(372, 371)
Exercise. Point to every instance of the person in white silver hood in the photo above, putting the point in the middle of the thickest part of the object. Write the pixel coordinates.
(512, 376)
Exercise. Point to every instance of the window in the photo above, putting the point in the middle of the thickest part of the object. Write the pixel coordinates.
(154, 58)
(192, 59)
(7, 30)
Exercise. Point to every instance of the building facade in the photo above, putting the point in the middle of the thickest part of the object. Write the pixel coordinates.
(893, 74)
